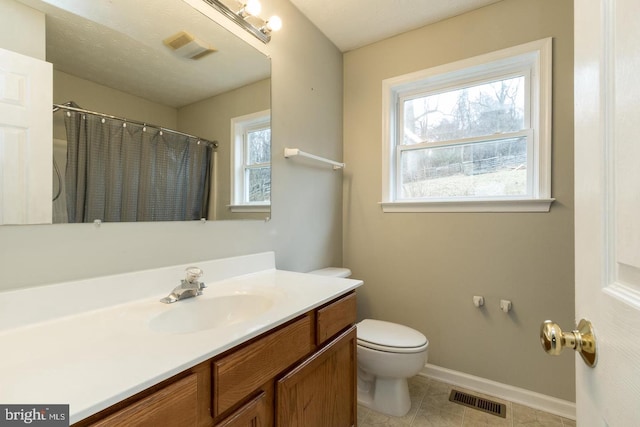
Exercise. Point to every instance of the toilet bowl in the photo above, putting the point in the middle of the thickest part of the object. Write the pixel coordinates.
(388, 354)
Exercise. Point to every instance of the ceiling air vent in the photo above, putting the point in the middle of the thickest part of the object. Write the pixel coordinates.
(484, 405)
(187, 46)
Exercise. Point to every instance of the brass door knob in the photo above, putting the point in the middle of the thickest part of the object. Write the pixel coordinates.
(582, 340)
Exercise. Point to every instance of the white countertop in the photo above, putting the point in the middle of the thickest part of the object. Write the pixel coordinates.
(92, 359)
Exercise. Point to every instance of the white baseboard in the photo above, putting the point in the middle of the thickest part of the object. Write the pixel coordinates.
(528, 398)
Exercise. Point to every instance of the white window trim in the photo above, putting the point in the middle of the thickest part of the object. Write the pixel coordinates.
(248, 208)
(541, 53)
(237, 173)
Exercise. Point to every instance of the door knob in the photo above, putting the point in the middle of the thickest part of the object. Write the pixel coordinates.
(582, 340)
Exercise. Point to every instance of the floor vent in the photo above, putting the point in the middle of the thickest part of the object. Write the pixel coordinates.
(484, 405)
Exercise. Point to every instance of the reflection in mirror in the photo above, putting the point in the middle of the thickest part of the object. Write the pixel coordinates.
(162, 66)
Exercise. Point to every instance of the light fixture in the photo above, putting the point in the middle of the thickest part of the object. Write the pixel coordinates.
(251, 7)
(244, 13)
(273, 24)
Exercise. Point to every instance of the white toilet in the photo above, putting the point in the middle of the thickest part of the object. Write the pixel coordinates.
(388, 354)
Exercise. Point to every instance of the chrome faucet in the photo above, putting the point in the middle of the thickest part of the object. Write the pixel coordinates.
(188, 287)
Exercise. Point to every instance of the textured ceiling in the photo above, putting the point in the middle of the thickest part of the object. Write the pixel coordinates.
(350, 24)
(119, 44)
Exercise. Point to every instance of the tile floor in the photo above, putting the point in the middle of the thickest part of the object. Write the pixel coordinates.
(430, 407)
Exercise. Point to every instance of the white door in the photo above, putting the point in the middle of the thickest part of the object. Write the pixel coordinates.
(607, 207)
(26, 139)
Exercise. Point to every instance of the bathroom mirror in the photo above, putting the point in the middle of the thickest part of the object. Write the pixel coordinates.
(159, 63)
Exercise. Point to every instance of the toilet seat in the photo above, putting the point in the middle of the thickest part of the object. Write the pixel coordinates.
(390, 337)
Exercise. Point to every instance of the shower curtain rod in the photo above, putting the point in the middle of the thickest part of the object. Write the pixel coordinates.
(65, 106)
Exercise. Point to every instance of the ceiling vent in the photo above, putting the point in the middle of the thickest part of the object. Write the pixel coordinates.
(187, 46)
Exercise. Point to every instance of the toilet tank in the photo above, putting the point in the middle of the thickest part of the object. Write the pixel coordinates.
(332, 271)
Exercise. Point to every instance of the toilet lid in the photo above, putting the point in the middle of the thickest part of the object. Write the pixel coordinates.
(332, 271)
(379, 334)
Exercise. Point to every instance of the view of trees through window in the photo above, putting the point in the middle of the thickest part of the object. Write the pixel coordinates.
(474, 151)
(258, 166)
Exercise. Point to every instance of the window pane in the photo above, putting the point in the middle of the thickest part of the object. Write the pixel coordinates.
(479, 110)
(493, 168)
(259, 146)
(259, 183)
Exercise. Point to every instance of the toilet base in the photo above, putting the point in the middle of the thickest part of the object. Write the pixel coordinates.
(387, 395)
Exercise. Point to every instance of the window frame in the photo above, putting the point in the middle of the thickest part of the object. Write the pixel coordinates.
(534, 60)
(240, 126)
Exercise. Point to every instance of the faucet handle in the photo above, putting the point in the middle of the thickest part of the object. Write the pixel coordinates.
(193, 274)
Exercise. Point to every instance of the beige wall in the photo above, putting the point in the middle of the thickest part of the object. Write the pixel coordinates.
(306, 226)
(423, 269)
(103, 99)
(211, 118)
(22, 29)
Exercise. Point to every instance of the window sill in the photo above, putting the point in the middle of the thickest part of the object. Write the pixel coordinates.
(250, 208)
(520, 205)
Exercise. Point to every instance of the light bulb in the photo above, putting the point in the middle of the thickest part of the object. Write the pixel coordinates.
(274, 23)
(253, 7)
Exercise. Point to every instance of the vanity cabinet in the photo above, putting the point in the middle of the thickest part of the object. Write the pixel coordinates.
(302, 373)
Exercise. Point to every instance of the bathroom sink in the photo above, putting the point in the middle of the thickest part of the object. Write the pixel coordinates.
(199, 314)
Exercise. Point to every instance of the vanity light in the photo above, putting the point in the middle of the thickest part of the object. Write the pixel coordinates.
(240, 12)
(273, 24)
(251, 7)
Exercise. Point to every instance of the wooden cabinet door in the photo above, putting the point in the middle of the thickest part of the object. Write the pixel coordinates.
(322, 390)
(253, 414)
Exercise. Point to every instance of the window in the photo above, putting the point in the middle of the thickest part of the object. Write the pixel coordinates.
(251, 157)
(474, 135)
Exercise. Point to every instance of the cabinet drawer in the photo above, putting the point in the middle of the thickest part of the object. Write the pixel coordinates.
(174, 405)
(335, 317)
(242, 372)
